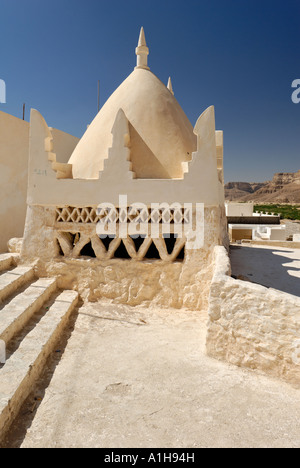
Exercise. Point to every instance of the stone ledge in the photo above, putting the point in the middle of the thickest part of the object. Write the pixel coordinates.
(252, 326)
(23, 368)
(16, 314)
(14, 279)
(274, 243)
(7, 260)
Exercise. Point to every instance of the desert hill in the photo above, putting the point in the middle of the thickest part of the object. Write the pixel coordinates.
(283, 188)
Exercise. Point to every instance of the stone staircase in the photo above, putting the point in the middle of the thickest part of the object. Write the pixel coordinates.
(33, 315)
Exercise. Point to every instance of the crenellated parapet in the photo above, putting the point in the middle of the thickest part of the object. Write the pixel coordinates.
(51, 184)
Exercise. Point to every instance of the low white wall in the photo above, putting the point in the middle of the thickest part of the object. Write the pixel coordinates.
(274, 243)
(14, 144)
(253, 326)
(239, 209)
(14, 152)
(278, 234)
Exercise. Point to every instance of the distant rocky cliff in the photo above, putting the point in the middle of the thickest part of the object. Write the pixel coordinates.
(284, 188)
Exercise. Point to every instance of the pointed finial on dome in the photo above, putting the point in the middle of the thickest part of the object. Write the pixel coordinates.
(142, 52)
(142, 39)
(169, 86)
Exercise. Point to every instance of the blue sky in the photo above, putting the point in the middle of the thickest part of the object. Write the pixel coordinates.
(239, 55)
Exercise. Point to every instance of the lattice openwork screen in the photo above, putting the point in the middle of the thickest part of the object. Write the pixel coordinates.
(77, 236)
(145, 215)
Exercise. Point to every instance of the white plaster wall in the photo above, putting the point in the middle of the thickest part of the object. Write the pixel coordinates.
(239, 209)
(253, 326)
(14, 144)
(269, 233)
(278, 234)
(63, 144)
(14, 152)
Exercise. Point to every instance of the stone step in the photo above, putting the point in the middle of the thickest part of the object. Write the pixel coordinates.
(12, 280)
(24, 367)
(7, 261)
(15, 315)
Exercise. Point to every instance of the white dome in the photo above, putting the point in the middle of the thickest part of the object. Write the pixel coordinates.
(161, 136)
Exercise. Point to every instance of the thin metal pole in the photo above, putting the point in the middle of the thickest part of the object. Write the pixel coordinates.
(23, 111)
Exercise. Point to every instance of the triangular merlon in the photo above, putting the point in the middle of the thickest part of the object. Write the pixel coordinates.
(202, 169)
(118, 164)
(42, 143)
(205, 126)
(206, 136)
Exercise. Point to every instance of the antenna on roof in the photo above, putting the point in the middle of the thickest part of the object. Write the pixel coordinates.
(23, 111)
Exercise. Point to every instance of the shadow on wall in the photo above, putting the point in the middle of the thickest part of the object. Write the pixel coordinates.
(272, 268)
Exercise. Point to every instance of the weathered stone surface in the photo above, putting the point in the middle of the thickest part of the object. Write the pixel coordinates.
(20, 372)
(135, 377)
(19, 310)
(134, 282)
(7, 260)
(252, 326)
(14, 245)
(12, 280)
